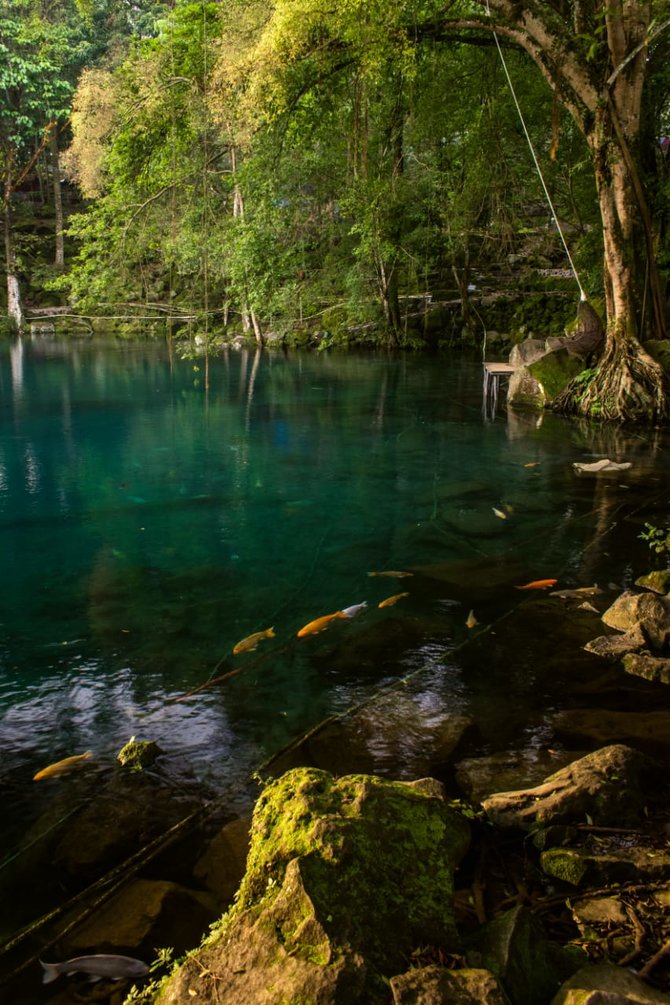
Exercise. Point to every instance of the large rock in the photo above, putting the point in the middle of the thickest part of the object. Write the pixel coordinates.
(514, 947)
(607, 984)
(479, 777)
(527, 352)
(278, 953)
(616, 646)
(653, 668)
(344, 878)
(605, 786)
(649, 610)
(435, 985)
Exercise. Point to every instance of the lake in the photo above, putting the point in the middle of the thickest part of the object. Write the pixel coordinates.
(148, 525)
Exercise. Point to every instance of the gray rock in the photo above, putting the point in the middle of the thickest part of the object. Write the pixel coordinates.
(653, 668)
(529, 967)
(606, 785)
(479, 777)
(616, 646)
(435, 985)
(527, 352)
(649, 610)
(607, 984)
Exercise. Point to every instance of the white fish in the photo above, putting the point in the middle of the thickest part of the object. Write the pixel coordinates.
(499, 513)
(100, 966)
(351, 612)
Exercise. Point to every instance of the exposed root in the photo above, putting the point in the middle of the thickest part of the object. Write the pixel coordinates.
(627, 385)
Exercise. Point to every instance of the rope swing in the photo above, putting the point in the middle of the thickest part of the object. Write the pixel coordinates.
(535, 160)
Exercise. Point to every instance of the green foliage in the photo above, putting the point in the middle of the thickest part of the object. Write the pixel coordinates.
(657, 538)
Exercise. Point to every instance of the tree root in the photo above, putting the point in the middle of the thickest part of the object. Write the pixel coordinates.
(627, 385)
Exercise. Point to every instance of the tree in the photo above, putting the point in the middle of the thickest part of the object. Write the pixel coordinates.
(35, 99)
(596, 56)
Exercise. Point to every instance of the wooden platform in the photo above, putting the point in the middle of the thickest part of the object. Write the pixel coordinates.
(492, 374)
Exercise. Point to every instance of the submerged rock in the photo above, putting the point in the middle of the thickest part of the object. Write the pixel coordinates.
(222, 865)
(138, 754)
(145, 915)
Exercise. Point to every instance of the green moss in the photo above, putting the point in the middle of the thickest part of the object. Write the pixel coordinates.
(554, 370)
(138, 754)
(376, 858)
(564, 864)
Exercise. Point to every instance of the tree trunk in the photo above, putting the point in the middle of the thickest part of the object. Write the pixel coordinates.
(58, 202)
(627, 385)
(14, 308)
(249, 317)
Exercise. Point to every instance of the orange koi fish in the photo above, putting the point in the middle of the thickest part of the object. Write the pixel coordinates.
(538, 584)
(392, 600)
(62, 767)
(471, 620)
(531, 464)
(249, 644)
(318, 625)
(392, 572)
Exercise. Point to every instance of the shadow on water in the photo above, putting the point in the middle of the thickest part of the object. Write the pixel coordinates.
(147, 527)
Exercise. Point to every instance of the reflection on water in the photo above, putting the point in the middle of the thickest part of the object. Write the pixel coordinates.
(146, 527)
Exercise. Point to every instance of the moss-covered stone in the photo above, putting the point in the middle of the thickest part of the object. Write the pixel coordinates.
(377, 857)
(553, 371)
(138, 754)
(658, 581)
(345, 876)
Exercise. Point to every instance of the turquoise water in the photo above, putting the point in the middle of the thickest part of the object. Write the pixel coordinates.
(147, 526)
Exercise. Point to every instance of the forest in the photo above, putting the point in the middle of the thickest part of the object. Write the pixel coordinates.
(411, 176)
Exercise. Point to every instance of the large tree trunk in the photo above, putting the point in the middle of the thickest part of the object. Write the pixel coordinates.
(627, 385)
(14, 308)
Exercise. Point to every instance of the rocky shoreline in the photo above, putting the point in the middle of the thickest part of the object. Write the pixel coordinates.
(503, 882)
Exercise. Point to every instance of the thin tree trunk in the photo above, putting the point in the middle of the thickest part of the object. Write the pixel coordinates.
(249, 318)
(14, 308)
(58, 202)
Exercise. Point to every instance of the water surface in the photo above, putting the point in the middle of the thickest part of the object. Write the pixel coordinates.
(146, 526)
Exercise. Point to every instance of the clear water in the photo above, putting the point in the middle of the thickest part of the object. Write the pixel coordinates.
(147, 526)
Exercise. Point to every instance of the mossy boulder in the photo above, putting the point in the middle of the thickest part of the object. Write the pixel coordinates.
(138, 754)
(553, 371)
(377, 857)
(345, 876)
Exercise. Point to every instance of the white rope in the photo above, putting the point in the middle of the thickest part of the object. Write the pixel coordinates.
(535, 160)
